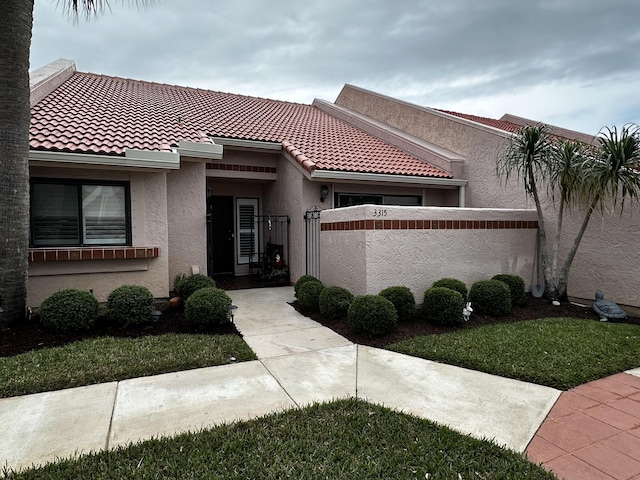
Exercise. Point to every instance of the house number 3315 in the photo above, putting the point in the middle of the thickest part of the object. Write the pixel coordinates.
(379, 212)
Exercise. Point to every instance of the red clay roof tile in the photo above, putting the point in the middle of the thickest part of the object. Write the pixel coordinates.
(105, 115)
(500, 124)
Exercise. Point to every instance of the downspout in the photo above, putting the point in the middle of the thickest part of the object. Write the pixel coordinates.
(462, 190)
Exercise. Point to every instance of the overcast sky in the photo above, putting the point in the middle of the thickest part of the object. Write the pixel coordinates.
(571, 63)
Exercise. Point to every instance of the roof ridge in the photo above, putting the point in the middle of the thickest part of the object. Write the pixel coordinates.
(186, 87)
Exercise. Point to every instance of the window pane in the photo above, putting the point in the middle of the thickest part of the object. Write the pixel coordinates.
(54, 214)
(104, 219)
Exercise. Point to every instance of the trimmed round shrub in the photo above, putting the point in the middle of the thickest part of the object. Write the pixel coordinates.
(309, 295)
(301, 281)
(490, 297)
(334, 302)
(191, 284)
(403, 299)
(208, 306)
(442, 306)
(372, 314)
(516, 287)
(453, 284)
(69, 310)
(130, 305)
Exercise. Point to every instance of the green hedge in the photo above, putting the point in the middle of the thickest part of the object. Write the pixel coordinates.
(443, 306)
(208, 306)
(372, 314)
(403, 299)
(130, 305)
(490, 297)
(334, 302)
(68, 310)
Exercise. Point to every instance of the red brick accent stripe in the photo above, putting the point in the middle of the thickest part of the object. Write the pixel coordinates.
(98, 253)
(428, 225)
(241, 168)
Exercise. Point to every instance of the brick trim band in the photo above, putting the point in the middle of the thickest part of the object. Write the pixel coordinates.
(240, 168)
(99, 253)
(428, 225)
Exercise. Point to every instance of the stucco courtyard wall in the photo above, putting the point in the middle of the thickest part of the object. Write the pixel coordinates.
(149, 230)
(368, 248)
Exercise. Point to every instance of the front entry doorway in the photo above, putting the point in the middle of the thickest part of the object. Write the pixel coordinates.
(220, 235)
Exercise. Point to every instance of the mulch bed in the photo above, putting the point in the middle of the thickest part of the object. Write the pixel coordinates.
(29, 335)
(534, 309)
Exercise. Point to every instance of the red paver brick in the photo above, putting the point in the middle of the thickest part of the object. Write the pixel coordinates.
(589, 427)
(613, 417)
(590, 390)
(573, 401)
(625, 443)
(542, 451)
(618, 384)
(610, 461)
(562, 437)
(627, 405)
(570, 467)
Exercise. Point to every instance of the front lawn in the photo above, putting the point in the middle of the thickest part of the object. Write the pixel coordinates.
(557, 352)
(348, 439)
(107, 359)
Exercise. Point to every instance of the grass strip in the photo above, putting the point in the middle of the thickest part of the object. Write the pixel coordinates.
(557, 352)
(110, 359)
(346, 439)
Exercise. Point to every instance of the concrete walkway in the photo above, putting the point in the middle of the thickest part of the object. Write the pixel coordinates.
(300, 362)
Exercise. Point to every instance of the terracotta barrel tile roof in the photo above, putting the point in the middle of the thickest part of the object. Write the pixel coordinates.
(99, 114)
(500, 124)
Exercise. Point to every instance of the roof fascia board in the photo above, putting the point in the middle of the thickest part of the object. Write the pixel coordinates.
(206, 151)
(427, 151)
(133, 159)
(385, 178)
(253, 144)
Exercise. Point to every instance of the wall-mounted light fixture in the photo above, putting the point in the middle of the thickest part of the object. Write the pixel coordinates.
(324, 193)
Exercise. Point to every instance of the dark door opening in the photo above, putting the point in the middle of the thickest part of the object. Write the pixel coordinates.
(220, 236)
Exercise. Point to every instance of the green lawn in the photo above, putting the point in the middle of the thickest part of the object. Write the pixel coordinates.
(347, 439)
(110, 359)
(557, 352)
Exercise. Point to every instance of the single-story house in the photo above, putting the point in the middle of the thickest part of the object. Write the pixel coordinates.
(134, 182)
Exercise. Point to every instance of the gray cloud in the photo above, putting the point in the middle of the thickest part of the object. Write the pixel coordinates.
(570, 61)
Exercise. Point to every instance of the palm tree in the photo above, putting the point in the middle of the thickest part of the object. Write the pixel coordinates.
(16, 24)
(575, 175)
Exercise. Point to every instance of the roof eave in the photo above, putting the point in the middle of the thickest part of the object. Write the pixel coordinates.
(132, 160)
(340, 176)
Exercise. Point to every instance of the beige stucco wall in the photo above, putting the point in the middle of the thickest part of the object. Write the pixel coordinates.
(186, 204)
(366, 261)
(609, 255)
(149, 228)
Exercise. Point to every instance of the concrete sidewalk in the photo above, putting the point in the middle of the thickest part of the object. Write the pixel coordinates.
(300, 362)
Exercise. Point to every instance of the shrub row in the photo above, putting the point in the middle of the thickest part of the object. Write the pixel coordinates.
(73, 309)
(443, 303)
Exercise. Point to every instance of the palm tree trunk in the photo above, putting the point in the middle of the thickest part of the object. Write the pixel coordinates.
(16, 22)
(563, 280)
(556, 241)
(549, 280)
